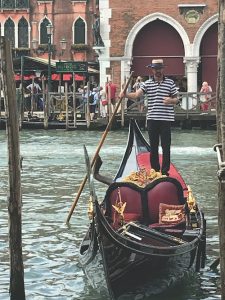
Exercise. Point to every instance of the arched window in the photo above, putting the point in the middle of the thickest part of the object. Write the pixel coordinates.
(23, 33)
(9, 31)
(43, 31)
(79, 32)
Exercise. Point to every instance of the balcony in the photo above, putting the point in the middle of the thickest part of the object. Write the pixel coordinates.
(80, 47)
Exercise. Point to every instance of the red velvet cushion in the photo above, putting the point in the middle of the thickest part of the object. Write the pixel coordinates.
(131, 217)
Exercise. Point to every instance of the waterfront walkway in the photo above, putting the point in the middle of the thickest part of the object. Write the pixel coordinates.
(188, 114)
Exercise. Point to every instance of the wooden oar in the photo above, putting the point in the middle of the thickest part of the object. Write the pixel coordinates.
(98, 149)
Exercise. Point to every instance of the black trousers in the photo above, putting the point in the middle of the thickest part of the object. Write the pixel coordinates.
(160, 130)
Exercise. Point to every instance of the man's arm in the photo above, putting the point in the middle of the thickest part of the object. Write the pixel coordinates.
(133, 95)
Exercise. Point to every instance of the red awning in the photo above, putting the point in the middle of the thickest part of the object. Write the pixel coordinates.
(66, 77)
(56, 77)
(26, 77)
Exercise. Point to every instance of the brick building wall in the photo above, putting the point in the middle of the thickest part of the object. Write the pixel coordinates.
(128, 30)
(123, 21)
(62, 15)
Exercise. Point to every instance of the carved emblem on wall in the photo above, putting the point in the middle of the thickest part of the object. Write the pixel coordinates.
(192, 16)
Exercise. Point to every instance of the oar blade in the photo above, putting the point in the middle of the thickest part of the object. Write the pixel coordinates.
(215, 263)
(90, 176)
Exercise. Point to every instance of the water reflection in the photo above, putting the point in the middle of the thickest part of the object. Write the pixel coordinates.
(53, 168)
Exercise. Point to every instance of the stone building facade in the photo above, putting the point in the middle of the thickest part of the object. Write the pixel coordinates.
(24, 23)
(183, 33)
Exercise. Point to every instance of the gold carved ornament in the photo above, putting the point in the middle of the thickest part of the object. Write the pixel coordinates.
(143, 177)
(119, 208)
(192, 205)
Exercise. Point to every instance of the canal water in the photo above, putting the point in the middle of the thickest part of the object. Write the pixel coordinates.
(53, 168)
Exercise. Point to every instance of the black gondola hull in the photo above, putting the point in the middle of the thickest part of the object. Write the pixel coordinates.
(136, 255)
(131, 265)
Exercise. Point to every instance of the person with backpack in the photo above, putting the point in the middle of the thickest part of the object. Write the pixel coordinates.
(93, 100)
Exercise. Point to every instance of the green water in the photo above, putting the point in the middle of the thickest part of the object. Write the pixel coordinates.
(53, 168)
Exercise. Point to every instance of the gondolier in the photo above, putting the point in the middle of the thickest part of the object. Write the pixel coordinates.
(162, 96)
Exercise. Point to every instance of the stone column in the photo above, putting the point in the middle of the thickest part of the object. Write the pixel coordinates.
(34, 31)
(104, 64)
(125, 68)
(192, 72)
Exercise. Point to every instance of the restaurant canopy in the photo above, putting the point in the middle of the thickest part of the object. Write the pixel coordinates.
(33, 65)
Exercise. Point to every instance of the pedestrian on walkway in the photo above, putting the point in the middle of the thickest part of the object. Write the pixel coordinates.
(136, 86)
(111, 93)
(103, 102)
(206, 91)
(93, 101)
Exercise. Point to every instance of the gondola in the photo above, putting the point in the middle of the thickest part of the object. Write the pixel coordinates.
(148, 230)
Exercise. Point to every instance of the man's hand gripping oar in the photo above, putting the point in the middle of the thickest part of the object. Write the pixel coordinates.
(98, 149)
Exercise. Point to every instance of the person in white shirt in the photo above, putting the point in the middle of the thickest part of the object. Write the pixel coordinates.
(103, 102)
(35, 91)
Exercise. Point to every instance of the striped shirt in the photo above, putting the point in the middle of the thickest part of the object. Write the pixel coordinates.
(156, 92)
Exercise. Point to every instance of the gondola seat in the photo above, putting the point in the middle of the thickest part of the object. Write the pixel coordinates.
(142, 204)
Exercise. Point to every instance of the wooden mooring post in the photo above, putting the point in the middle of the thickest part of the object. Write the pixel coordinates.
(221, 139)
(67, 108)
(17, 290)
(74, 103)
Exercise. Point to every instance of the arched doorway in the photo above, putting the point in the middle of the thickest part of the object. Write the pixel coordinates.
(158, 39)
(208, 53)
